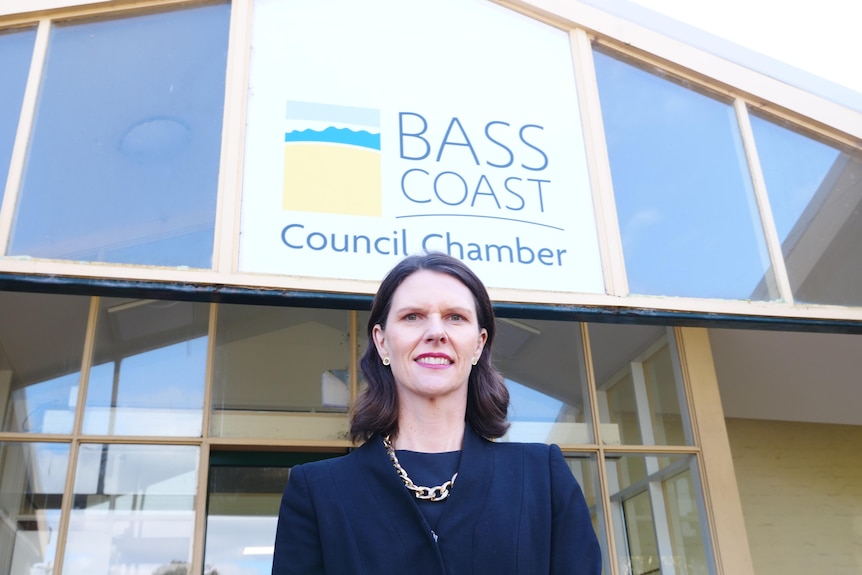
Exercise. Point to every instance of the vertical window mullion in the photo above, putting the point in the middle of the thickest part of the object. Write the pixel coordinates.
(199, 534)
(22, 138)
(607, 477)
(228, 201)
(69, 488)
(598, 164)
(758, 182)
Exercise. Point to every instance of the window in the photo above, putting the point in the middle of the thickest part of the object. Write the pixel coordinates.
(15, 52)
(123, 159)
(686, 208)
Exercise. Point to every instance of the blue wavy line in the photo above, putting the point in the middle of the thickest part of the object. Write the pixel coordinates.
(332, 135)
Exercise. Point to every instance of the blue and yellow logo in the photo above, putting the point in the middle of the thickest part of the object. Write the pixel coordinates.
(332, 159)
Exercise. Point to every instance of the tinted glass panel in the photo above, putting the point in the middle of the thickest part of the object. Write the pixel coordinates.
(657, 515)
(41, 348)
(123, 163)
(815, 191)
(281, 372)
(32, 476)
(641, 399)
(686, 209)
(15, 51)
(543, 364)
(133, 510)
(242, 513)
(585, 470)
(149, 368)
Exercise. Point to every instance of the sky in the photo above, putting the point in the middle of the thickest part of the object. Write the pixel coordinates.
(821, 38)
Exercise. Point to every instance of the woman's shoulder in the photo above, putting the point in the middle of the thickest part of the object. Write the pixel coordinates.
(525, 447)
(541, 451)
(334, 465)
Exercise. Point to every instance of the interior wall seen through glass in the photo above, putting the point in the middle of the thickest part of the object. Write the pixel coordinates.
(133, 509)
(281, 372)
(815, 192)
(543, 365)
(124, 155)
(16, 49)
(32, 478)
(41, 349)
(640, 394)
(686, 209)
(149, 368)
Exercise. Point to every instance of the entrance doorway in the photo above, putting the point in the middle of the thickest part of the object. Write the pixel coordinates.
(243, 497)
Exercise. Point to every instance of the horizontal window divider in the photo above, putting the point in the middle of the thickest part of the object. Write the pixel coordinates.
(15, 437)
(657, 450)
(269, 444)
(139, 440)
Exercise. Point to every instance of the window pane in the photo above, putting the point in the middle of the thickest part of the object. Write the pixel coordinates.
(686, 209)
(15, 51)
(149, 368)
(641, 399)
(32, 476)
(133, 510)
(281, 372)
(585, 470)
(815, 191)
(657, 515)
(242, 513)
(123, 162)
(543, 364)
(41, 348)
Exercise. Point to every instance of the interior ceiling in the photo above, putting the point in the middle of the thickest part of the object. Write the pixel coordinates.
(812, 377)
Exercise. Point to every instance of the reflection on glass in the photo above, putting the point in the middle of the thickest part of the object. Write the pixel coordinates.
(657, 515)
(15, 52)
(241, 517)
(32, 476)
(41, 348)
(639, 391)
(123, 161)
(686, 208)
(133, 510)
(584, 469)
(281, 372)
(149, 368)
(543, 364)
(815, 191)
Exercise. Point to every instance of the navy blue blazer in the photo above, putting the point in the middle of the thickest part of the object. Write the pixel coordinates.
(515, 508)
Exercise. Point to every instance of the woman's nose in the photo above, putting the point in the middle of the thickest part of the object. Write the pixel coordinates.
(435, 330)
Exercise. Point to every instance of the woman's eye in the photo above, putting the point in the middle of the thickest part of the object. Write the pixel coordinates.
(411, 317)
(456, 317)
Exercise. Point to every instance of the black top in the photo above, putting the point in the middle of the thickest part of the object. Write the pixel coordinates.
(429, 470)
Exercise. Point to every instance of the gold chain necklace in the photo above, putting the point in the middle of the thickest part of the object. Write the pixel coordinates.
(438, 493)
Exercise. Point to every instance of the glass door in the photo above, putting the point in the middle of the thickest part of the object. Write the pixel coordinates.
(243, 498)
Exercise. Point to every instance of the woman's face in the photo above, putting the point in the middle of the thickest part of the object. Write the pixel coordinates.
(432, 336)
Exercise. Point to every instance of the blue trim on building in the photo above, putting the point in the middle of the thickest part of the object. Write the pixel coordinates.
(295, 298)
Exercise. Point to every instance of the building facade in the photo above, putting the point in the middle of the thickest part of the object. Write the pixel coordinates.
(199, 198)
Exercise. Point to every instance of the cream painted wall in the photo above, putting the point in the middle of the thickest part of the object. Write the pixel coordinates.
(801, 491)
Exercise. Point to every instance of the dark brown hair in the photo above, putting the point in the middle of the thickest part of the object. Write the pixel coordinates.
(376, 409)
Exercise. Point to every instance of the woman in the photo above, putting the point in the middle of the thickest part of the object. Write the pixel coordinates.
(428, 492)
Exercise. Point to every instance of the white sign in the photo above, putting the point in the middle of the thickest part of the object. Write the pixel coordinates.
(379, 129)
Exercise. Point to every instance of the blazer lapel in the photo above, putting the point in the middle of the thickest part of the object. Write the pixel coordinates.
(385, 497)
(471, 488)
